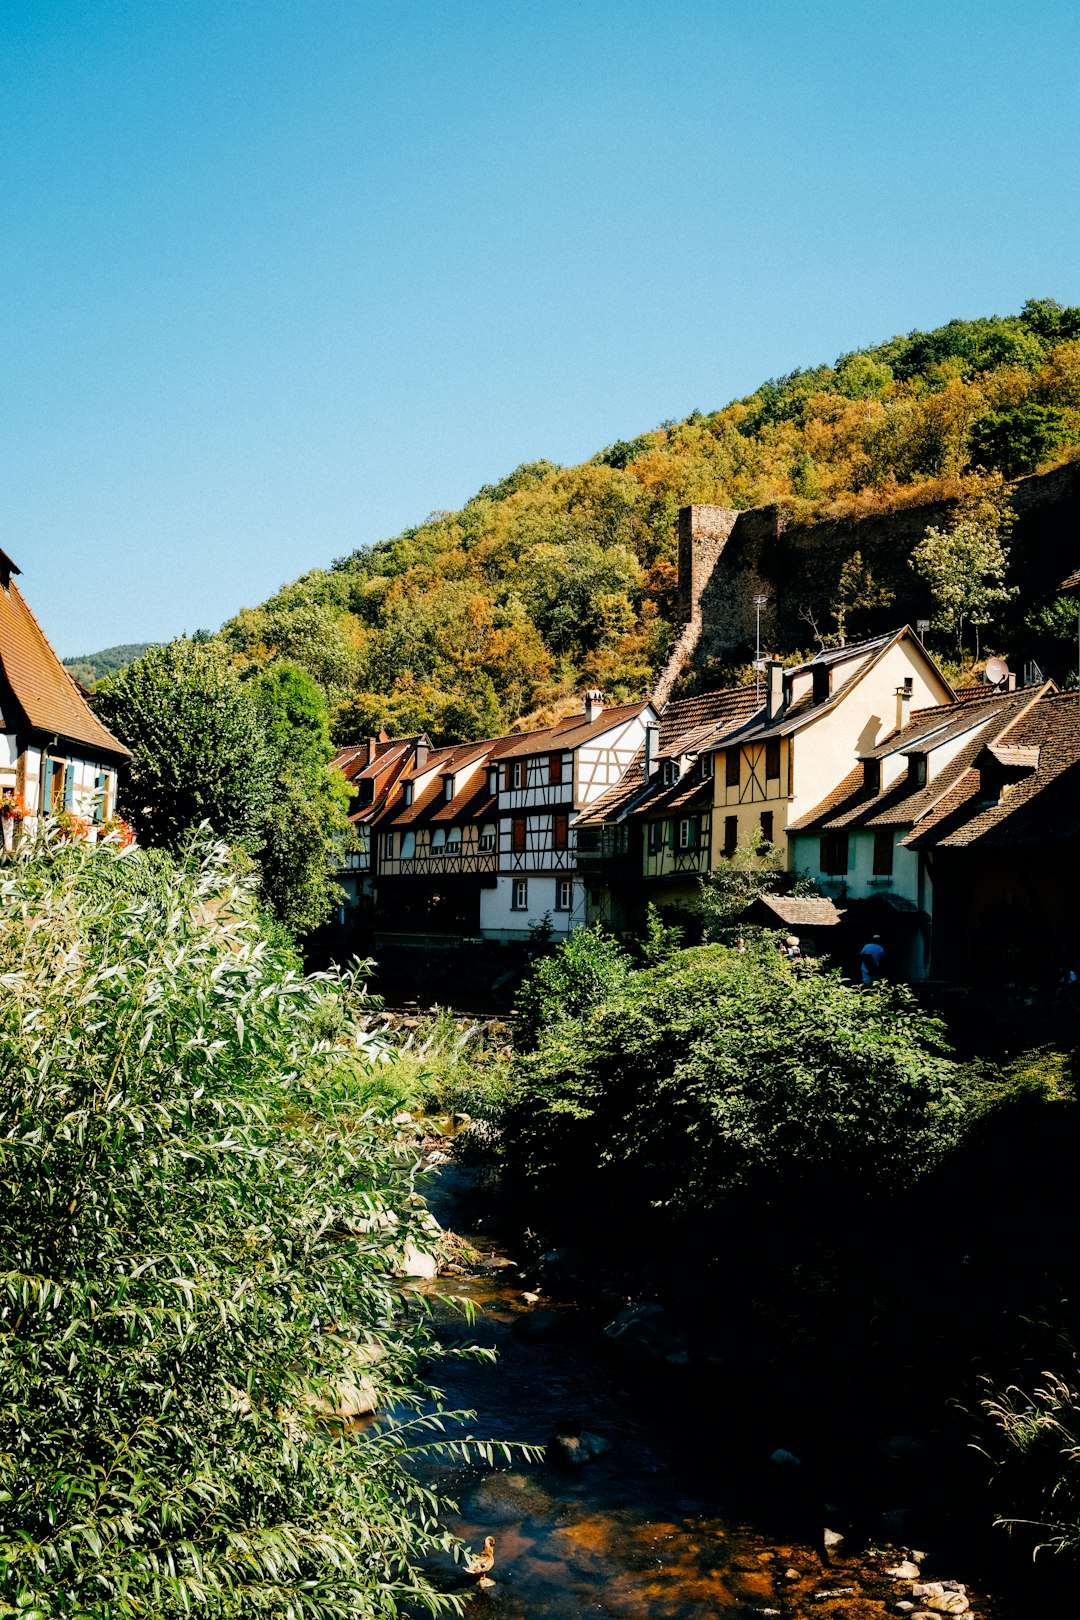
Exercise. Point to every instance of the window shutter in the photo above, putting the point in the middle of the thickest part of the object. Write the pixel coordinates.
(69, 786)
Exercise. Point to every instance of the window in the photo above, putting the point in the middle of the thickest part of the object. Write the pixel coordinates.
(406, 790)
(564, 894)
(916, 770)
(672, 772)
(487, 839)
(834, 854)
(438, 840)
(58, 785)
(388, 846)
(707, 763)
(767, 826)
(493, 779)
(365, 790)
(872, 775)
(101, 796)
(453, 840)
(560, 830)
(731, 834)
(408, 845)
(883, 851)
(732, 772)
(554, 768)
(772, 760)
(688, 832)
(517, 773)
(448, 788)
(519, 896)
(656, 836)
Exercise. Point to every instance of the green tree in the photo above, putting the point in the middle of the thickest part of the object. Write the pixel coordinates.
(721, 1073)
(588, 966)
(200, 1220)
(964, 567)
(306, 830)
(858, 593)
(1013, 442)
(199, 746)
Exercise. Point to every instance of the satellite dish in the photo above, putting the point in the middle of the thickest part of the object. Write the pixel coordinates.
(996, 672)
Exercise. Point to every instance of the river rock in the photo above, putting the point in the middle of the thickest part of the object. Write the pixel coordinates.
(417, 1263)
(906, 1571)
(575, 1450)
(834, 1541)
(350, 1400)
(942, 1597)
(642, 1332)
(785, 1459)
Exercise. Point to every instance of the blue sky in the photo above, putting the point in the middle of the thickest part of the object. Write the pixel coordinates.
(279, 277)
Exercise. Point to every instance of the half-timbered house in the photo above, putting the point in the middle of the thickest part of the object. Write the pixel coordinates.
(860, 845)
(815, 722)
(649, 837)
(545, 780)
(437, 842)
(374, 767)
(55, 754)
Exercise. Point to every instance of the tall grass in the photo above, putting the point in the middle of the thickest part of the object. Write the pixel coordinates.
(199, 1222)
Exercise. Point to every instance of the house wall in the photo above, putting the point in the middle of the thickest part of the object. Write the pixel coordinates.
(823, 751)
(499, 920)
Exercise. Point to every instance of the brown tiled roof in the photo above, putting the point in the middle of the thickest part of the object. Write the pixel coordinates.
(796, 910)
(569, 733)
(42, 687)
(1043, 805)
(687, 718)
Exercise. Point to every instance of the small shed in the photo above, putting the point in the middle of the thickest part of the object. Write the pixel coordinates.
(814, 919)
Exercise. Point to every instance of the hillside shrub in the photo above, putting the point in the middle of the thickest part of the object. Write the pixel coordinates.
(199, 1226)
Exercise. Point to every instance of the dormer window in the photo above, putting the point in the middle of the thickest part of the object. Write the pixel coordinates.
(872, 775)
(916, 770)
(365, 790)
(821, 673)
(672, 772)
(448, 788)
(516, 773)
(707, 762)
(493, 779)
(407, 793)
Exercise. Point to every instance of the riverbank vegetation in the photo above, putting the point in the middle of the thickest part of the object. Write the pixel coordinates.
(861, 1231)
(201, 1218)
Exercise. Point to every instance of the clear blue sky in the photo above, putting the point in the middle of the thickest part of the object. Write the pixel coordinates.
(279, 277)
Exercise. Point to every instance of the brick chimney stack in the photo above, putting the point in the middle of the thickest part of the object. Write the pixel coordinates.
(774, 688)
(594, 706)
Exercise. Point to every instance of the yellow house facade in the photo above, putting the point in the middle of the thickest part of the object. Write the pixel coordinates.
(816, 720)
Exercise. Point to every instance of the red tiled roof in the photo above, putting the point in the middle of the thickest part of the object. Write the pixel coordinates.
(48, 696)
(571, 732)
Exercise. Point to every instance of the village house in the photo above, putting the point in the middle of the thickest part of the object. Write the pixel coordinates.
(1004, 848)
(56, 757)
(374, 767)
(546, 779)
(859, 846)
(649, 837)
(732, 766)
(437, 841)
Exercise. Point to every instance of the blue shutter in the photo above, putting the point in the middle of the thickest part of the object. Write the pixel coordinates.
(69, 786)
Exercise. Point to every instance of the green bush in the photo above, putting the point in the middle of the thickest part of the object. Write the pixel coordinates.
(199, 1226)
(720, 1073)
(586, 968)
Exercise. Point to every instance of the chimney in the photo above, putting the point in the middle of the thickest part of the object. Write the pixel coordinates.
(652, 744)
(423, 748)
(371, 745)
(903, 703)
(594, 706)
(774, 688)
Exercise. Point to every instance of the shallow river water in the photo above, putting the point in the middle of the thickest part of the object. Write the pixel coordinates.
(652, 1527)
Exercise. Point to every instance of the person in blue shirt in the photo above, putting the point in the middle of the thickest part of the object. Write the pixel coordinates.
(870, 959)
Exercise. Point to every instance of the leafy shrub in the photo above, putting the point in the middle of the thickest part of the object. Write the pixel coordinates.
(722, 1073)
(588, 967)
(182, 1158)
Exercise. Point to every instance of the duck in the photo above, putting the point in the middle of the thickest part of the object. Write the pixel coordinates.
(479, 1563)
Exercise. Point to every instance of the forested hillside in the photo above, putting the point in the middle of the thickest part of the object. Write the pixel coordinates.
(91, 667)
(559, 577)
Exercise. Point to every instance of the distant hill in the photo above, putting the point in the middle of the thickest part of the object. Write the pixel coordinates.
(90, 667)
(558, 578)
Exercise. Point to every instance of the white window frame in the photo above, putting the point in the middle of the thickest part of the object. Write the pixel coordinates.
(564, 894)
(519, 894)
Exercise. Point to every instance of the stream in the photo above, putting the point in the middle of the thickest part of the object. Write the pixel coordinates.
(650, 1526)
